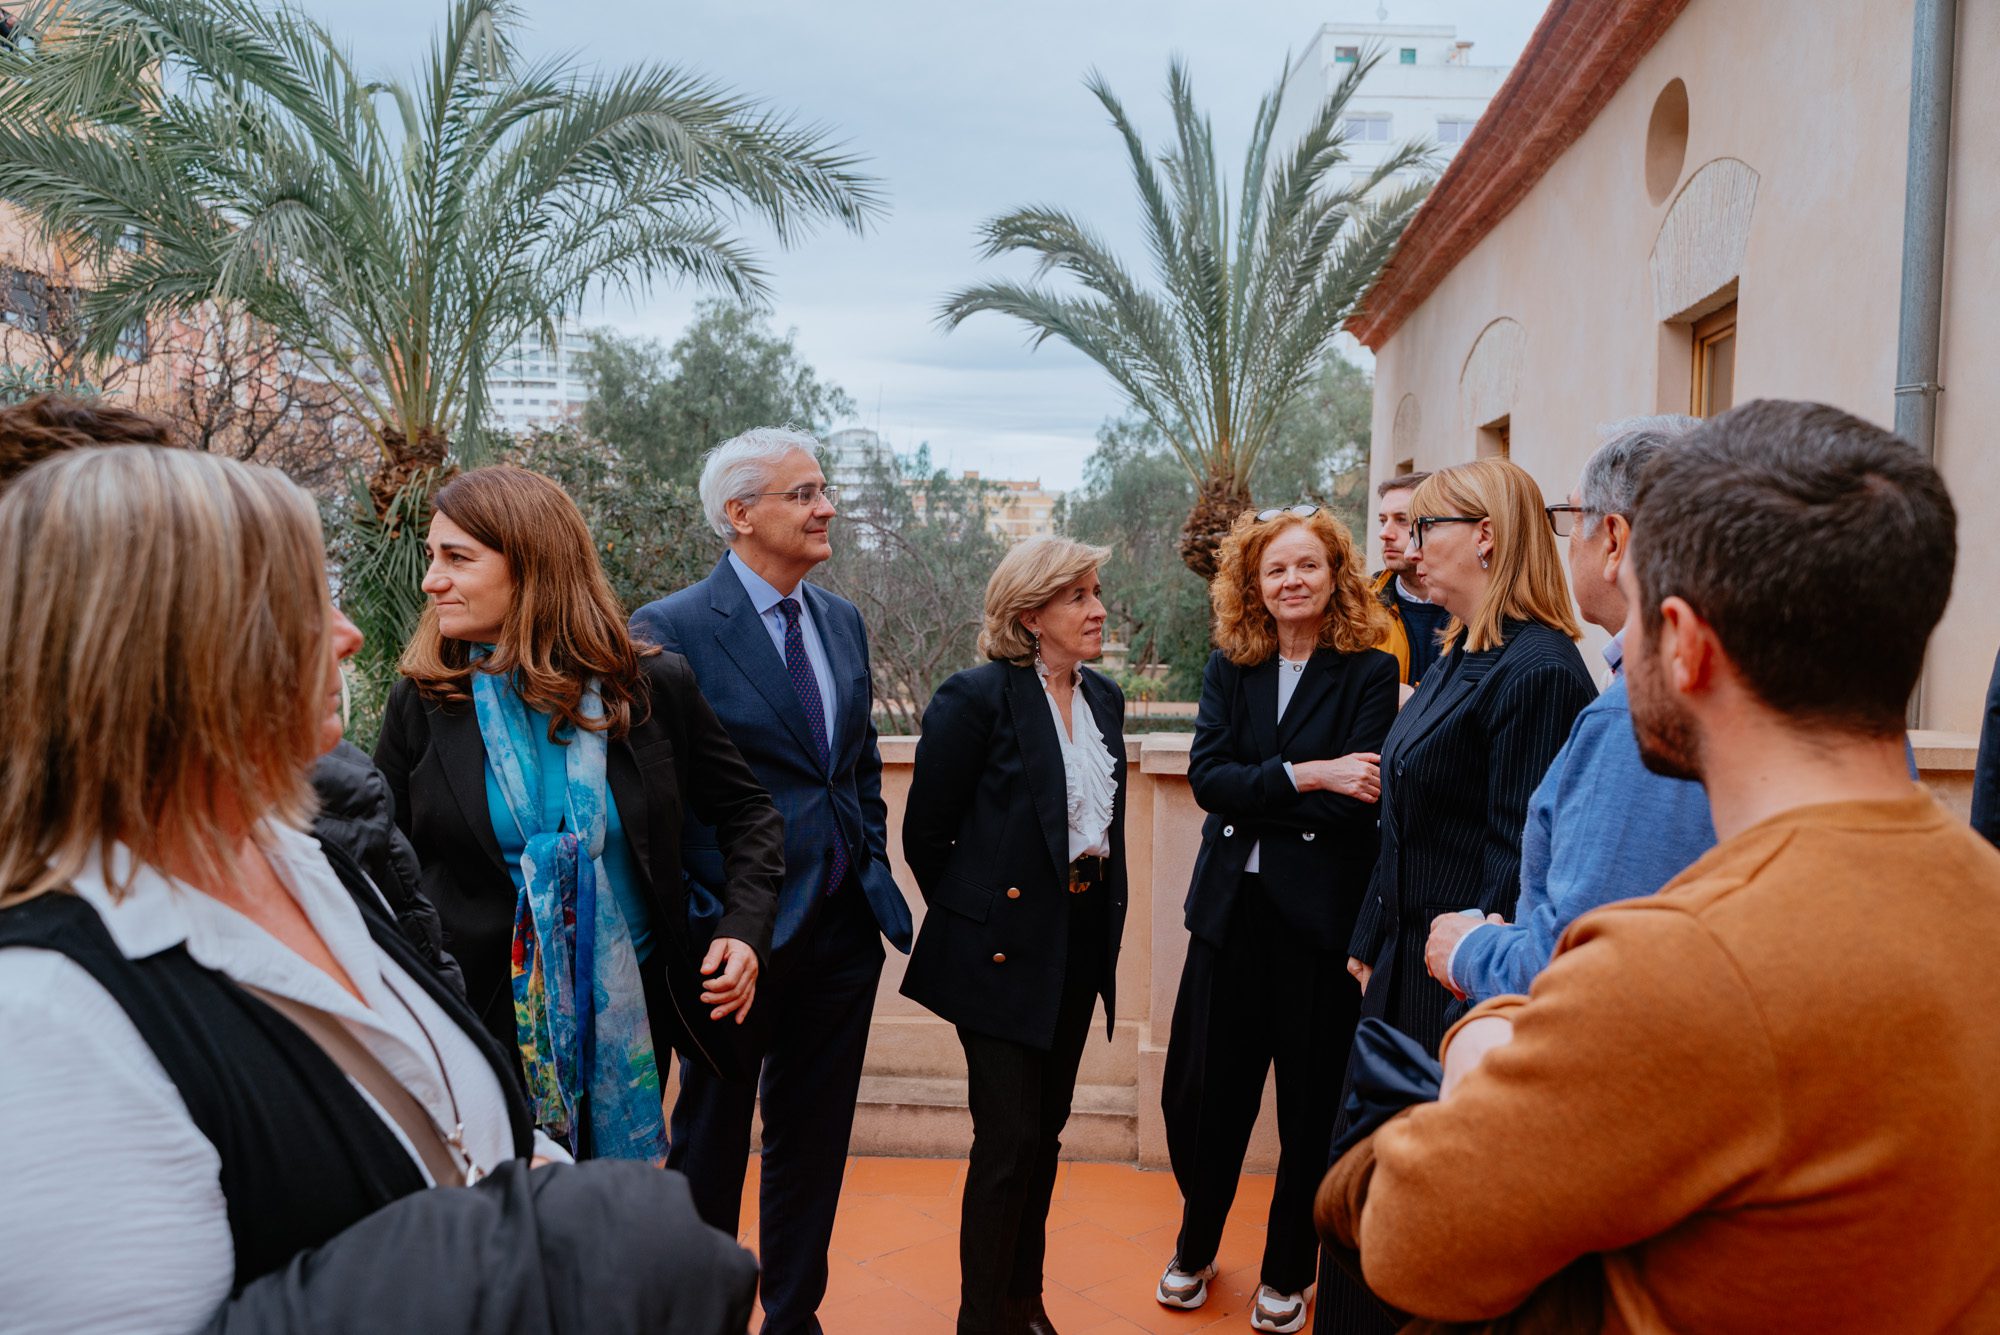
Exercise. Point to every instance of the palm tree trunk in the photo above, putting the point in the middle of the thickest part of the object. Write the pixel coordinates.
(402, 460)
(1216, 506)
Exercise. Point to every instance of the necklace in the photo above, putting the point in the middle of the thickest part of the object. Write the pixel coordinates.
(1299, 666)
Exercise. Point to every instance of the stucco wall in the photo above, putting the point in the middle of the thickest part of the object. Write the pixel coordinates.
(1813, 97)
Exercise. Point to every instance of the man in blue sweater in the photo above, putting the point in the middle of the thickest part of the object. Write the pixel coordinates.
(1601, 826)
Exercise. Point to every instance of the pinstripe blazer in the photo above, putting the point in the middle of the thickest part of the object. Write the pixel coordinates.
(1457, 770)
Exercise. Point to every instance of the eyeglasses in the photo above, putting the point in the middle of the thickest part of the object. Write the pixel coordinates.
(1562, 518)
(1419, 527)
(806, 496)
(1298, 511)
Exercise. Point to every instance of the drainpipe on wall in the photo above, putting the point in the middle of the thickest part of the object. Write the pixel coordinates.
(1925, 194)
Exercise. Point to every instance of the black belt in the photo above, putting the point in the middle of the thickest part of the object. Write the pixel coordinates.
(1085, 872)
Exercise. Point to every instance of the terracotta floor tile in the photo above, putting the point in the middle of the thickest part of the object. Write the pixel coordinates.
(903, 1177)
(887, 1311)
(1088, 1254)
(1128, 1218)
(1072, 1311)
(1118, 1182)
(893, 1266)
(1117, 1326)
(927, 1271)
(846, 1279)
(1135, 1302)
(872, 1226)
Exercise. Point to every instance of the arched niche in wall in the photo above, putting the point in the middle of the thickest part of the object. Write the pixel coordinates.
(1699, 251)
(1491, 378)
(1403, 434)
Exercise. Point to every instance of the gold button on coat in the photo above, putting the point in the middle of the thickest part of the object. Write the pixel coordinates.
(1013, 892)
(999, 959)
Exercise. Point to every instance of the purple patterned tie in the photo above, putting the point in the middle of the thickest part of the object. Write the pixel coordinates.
(807, 685)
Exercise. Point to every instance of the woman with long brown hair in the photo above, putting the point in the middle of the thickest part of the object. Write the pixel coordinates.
(1295, 703)
(540, 759)
(213, 1034)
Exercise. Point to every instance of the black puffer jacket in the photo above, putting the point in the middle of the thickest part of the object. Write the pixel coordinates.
(358, 815)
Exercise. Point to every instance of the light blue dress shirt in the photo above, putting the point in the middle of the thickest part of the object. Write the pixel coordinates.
(1601, 827)
(765, 599)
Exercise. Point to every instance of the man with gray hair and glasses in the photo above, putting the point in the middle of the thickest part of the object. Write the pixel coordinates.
(1601, 826)
(784, 664)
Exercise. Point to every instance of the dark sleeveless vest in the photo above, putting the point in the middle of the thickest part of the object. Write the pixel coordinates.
(303, 1154)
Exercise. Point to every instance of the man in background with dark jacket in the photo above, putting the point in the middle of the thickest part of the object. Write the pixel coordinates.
(1414, 621)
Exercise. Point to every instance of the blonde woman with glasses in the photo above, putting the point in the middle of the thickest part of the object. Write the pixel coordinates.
(1463, 757)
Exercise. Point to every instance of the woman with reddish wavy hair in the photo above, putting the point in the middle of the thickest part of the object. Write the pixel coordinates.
(1294, 705)
(540, 761)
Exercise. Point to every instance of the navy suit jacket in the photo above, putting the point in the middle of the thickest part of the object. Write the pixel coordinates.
(713, 625)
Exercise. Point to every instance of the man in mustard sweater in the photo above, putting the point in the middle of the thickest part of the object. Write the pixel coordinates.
(1767, 1098)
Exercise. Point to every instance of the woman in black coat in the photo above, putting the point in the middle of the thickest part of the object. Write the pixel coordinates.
(1015, 831)
(529, 729)
(1464, 756)
(1294, 705)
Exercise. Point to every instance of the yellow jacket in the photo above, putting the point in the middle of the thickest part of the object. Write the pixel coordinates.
(1398, 642)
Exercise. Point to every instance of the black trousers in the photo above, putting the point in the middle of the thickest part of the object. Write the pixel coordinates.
(824, 995)
(1262, 999)
(1020, 1098)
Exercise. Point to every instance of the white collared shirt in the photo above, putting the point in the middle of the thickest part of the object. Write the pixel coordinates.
(116, 1219)
(1089, 773)
(765, 597)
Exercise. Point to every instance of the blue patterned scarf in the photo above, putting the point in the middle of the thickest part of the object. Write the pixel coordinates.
(579, 1004)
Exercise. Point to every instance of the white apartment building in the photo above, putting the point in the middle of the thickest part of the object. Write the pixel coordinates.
(849, 452)
(1425, 87)
(532, 385)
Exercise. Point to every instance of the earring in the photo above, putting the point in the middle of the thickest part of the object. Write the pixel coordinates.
(1484, 561)
(1038, 646)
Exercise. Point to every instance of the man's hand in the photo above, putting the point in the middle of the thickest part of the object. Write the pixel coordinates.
(1360, 972)
(1358, 775)
(1447, 930)
(1469, 1047)
(735, 987)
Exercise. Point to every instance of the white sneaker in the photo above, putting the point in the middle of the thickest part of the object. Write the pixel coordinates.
(1281, 1313)
(1185, 1289)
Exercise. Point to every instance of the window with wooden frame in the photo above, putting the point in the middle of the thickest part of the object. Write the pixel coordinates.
(1714, 378)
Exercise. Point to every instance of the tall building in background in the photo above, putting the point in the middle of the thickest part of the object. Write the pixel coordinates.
(1425, 87)
(847, 454)
(536, 386)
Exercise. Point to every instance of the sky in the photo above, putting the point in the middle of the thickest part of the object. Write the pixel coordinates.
(964, 112)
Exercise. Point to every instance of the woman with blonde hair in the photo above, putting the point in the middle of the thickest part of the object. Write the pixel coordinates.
(540, 761)
(1295, 702)
(1464, 755)
(212, 1032)
(1015, 831)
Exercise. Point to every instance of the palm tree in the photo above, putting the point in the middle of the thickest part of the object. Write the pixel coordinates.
(1245, 307)
(395, 233)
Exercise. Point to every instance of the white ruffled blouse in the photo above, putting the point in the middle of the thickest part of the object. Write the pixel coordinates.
(1090, 773)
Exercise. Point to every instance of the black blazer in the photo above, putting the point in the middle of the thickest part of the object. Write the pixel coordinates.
(435, 762)
(1457, 771)
(1318, 848)
(988, 816)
